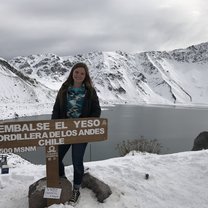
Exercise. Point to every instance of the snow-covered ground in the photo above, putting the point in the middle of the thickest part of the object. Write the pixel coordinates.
(176, 180)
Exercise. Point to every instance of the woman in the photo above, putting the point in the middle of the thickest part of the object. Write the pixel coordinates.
(76, 98)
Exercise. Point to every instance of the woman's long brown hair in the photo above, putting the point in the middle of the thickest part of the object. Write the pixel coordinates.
(87, 81)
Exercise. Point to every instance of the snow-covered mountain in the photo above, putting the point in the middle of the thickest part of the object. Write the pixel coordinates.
(159, 77)
(19, 92)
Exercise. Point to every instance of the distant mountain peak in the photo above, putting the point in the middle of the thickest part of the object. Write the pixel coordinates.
(159, 77)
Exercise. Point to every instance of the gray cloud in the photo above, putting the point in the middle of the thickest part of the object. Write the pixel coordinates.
(69, 27)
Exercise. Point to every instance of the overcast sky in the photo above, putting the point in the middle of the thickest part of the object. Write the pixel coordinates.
(69, 27)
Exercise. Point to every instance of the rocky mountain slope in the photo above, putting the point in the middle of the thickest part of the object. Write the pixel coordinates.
(153, 77)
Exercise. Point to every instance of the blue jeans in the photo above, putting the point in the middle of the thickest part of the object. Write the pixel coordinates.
(78, 151)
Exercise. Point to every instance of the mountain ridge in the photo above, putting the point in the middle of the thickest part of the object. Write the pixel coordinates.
(176, 77)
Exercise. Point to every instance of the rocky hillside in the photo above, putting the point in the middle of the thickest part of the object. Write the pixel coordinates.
(177, 77)
(161, 77)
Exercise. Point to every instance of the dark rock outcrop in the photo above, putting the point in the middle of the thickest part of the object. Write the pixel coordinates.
(36, 192)
(101, 190)
(201, 141)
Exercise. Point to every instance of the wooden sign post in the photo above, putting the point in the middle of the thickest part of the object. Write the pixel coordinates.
(52, 172)
(25, 136)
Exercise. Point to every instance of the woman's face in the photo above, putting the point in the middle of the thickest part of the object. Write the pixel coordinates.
(79, 76)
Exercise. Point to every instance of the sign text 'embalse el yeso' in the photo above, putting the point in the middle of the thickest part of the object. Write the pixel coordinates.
(26, 136)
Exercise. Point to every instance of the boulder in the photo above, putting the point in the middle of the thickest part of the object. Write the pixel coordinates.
(36, 192)
(101, 190)
(201, 141)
